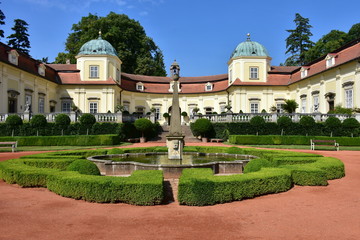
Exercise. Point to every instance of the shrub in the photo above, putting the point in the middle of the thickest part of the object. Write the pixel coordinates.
(284, 122)
(257, 121)
(62, 120)
(38, 121)
(290, 105)
(87, 119)
(307, 122)
(350, 123)
(84, 167)
(166, 115)
(332, 122)
(256, 165)
(13, 121)
(184, 114)
(143, 125)
(202, 127)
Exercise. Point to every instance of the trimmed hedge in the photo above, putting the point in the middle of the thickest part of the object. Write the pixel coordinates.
(289, 140)
(79, 140)
(275, 171)
(141, 188)
(83, 167)
(199, 187)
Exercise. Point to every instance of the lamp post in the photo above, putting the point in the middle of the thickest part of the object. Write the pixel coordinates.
(175, 139)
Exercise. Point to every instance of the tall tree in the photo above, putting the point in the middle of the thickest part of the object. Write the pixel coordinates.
(328, 43)
(138, 52)
(354, 32)
(20, 38)
(2, 22)
(298, 41)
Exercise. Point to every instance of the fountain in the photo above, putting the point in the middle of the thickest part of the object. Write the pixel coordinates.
(175, 160)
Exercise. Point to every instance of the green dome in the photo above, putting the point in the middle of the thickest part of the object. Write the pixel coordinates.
(97, 47)
(249, 48)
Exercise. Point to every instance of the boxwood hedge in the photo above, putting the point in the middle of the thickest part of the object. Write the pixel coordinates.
(141, 188)
(274, 171)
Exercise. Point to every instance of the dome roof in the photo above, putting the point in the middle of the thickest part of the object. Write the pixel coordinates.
(97, 47)
(249, 48)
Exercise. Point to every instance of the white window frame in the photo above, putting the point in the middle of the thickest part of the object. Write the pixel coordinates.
(316, 103)
(14, 57)
(349, 97)
(280, 107)
(254, 107)
(157, 113)
(93, 107)
(140, 86)
(304, 72)
(66, 106)
(208, 87)
(208, 110)
(94, 71)
(303, 105)
(140, 110)
(330, 61)
(41, 104)
(254, 73)
(41, 70)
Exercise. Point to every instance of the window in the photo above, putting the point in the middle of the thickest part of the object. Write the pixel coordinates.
(208, 110)
(208, 87)
(230, 76)
(41, 70)
(254, 73)
(117, 75)
(316, 103)
(93, 107)
(254, 107)
(140, 110)
(41, 105)
(13, 57)
(303, 105)
(349, 98)
(157, 114)
(66, 106)
(140, 86)
(330, 60)
(304, 72)
(94, 71)
(280, 107)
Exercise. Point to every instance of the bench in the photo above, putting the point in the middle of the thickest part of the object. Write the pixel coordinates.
(12, 145)
(133, 140)
(324, 143)
(216, 140)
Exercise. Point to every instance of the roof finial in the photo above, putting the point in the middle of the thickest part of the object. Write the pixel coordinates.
(248, 37)
(99, 34)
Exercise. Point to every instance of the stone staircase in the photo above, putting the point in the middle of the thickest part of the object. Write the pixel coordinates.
(189, 137)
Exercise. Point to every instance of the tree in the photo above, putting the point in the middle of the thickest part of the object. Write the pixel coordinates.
(143, 125)
(328, 43)
(298, 41)
(290, 105)
(20, 38)
(354, 32)
(2, 22)
(138, 52)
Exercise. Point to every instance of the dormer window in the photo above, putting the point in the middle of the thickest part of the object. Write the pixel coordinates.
(330, 60)
(94, 71)
(208, 87)
(140, 86)
(304, 72)
(254, 73)
(41, 69)
(13, 57)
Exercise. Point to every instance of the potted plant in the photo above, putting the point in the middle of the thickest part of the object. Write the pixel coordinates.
(202, 127)
(143, 125)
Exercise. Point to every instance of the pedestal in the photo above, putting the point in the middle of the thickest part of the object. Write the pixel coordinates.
(175, 145)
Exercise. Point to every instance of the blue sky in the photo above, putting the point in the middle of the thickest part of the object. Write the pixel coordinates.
(199, 34)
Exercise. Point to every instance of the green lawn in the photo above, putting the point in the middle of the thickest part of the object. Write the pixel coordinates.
(53, 148)
(347, 148)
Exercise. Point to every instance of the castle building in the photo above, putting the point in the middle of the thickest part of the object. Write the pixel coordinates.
(96, 84)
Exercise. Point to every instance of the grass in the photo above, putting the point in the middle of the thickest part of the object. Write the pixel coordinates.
(347, 148)
(53, 148)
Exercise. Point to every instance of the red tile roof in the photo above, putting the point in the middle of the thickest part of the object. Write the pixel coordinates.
(63, 67)
(74, 78)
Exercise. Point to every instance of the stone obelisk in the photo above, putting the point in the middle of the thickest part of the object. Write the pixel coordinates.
(175, 139)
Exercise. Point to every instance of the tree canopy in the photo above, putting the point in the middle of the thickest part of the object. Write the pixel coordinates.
(2, 22)
(332, 41)
(20, 38)
(137, 51)
(298, 41)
